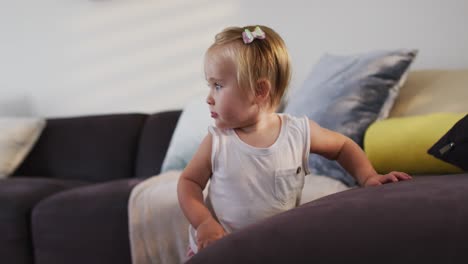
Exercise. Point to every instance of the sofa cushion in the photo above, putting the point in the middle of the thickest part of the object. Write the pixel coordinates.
(401, 143)
(432, 91)
(417, 221)
(84, 225)
(452, 147)
(346, 94)
(154, 142)
(17, 198)
(90, 148)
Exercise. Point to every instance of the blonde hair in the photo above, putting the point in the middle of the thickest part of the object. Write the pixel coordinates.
(261, 59)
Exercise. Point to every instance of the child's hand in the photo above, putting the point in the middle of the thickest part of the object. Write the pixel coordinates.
(393, 176)
(208, 232)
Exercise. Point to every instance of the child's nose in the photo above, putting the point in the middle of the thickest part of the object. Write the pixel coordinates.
(209, 99)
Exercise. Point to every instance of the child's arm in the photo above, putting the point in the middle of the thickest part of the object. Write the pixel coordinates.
(190, 187)
(349, 155)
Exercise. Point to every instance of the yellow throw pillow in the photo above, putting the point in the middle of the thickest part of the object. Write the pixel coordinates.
(401, 144)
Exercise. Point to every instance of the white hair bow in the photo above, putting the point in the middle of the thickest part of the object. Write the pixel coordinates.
(249, 36)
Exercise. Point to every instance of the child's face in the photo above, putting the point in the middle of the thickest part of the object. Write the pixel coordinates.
(230, 105)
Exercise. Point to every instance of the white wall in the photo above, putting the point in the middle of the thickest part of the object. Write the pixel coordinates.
(65, 58)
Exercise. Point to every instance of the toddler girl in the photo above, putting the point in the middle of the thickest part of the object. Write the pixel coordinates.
(255, 158)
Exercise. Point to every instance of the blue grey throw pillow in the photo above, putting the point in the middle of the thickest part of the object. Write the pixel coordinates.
(191, 128)
(346, 94)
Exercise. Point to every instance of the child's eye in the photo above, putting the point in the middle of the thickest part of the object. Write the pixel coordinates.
(217, 86)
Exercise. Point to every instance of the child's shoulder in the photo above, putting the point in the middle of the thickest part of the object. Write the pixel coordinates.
(296, 125)
(294, 120)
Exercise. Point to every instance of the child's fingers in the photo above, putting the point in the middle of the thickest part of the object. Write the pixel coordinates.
(203, 245)
(395, 176)
(391, 177)
(387, 178)
(401, 175)
(407, 175)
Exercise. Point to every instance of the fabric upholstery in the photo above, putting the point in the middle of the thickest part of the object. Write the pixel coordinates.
(91, 148)
(417, 221)
(154, 142)
(84, 225)
(18, 196)
(43, 223)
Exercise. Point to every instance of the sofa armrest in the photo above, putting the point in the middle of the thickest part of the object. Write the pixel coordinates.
(418, 221)
(18, 196)
(84, 225)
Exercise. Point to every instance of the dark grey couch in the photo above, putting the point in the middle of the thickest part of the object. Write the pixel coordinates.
(67, 202)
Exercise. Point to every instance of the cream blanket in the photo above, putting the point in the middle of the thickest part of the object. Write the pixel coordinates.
(158, 228)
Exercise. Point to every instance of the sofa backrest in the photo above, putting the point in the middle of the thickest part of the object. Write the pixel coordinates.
(154, 142)
(89, 148)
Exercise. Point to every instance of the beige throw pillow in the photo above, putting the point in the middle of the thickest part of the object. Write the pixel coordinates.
(432, 91)
(17, 137)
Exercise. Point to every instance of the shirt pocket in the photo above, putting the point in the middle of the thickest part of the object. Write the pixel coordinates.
(288, 184)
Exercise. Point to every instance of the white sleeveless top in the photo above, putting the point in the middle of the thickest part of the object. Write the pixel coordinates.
(249, 184)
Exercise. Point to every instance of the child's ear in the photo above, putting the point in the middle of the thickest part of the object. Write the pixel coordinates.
(263, 89)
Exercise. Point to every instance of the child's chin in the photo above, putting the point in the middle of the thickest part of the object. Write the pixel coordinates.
(222, 126)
